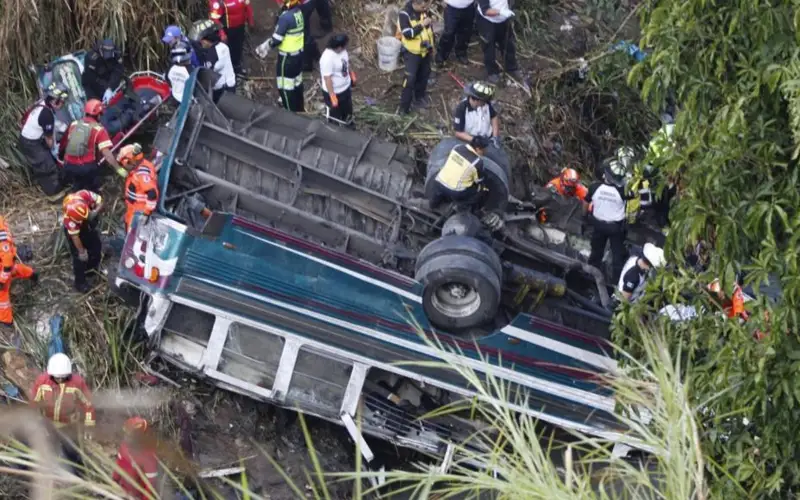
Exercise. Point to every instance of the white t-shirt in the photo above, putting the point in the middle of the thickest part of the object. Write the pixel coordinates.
(177, 77)
(495, 4)
(337, 66)
(223, 66)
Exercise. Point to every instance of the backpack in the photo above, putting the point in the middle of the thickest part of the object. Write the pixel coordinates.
(79, 137)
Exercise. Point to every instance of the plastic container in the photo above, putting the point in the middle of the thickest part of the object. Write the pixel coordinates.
(388, 53)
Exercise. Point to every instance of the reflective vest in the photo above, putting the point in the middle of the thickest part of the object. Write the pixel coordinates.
(460, 172)
(417, 44)
(293, 40)
(141, 191)
(64, 402)
(76, 209)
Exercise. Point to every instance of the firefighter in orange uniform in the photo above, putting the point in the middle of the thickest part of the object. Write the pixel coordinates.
(10, 269)
(232, 15)
(733, 306)
(141, 186)
(568, 184)
(137, 462)
(80, 225)
(64, 399)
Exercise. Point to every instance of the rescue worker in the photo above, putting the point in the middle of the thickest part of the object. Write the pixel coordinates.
(10, 269)
(80, 226)
(137, 462)
(173, 36)
(634, 273)
(37, 139)
(216, 55)
(86, 140)
(607, 216)
(459, 20)
(65, 400)
(496, 31)
(178, 74)
(475, 115)
(233, 15)
(460, 177)
(103, 71)
(289, 40)
(414, 25)
(733, 305)
(568, 184)
(141, 186)
(337, 79)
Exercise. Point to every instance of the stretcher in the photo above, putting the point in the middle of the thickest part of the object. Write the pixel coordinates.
(135, 100)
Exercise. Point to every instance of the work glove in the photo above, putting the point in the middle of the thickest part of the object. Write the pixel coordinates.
(507, 13)
(495, 141)
(353, 79)
(83, 255)
(107, 96)
(262, 50)
(334, 101)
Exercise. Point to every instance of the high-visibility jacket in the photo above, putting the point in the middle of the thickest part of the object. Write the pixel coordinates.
(288, 36)
(64, 402)
(141, 191)
(84, 139)
(558, 187)
(10, 269)
(77, 207)
(140, 469)
(461, 170)
(416, 38)
(231, 13)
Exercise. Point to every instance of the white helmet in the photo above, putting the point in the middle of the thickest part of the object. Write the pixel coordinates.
(59, 365)
(654, 255)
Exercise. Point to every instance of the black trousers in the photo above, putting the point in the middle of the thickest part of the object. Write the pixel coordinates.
(464, 198)
(84, 176)
(289, 70)
(216, 94)
(90, 238)
(415, 84)
(458, 25)
(604, 232)
(343, 112)
(236, 38)
(311, 52)
(497, 36)
(44, 169)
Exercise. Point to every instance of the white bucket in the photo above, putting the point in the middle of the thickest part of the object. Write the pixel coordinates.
(388, 52)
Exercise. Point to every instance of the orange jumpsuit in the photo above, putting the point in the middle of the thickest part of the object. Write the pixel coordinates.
(10, 269)
(557, 186)
(64, 402)
(141, 191)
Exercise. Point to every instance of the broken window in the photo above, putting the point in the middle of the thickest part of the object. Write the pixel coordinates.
(251, 355)
(319, 381)
(189, 323)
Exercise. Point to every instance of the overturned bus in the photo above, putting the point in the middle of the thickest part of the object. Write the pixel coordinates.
(317, 284)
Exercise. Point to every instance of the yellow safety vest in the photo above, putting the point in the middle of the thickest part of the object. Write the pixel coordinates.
(459, 173)
(293, 39)
(414, 45)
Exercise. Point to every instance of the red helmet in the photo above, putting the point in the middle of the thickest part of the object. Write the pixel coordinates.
(135, 425)
(94, 107)
(570, 177)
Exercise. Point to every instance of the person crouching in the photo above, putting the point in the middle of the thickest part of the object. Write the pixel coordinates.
(338, 80)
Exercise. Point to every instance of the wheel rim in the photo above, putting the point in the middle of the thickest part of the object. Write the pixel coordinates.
(456, 300)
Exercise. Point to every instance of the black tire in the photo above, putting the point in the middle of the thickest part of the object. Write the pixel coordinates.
(464, 245)
(465, 265)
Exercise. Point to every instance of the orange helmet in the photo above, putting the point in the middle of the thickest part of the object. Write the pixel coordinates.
(570, 177)
(130, 153)
(94, 107)
(135, 425)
